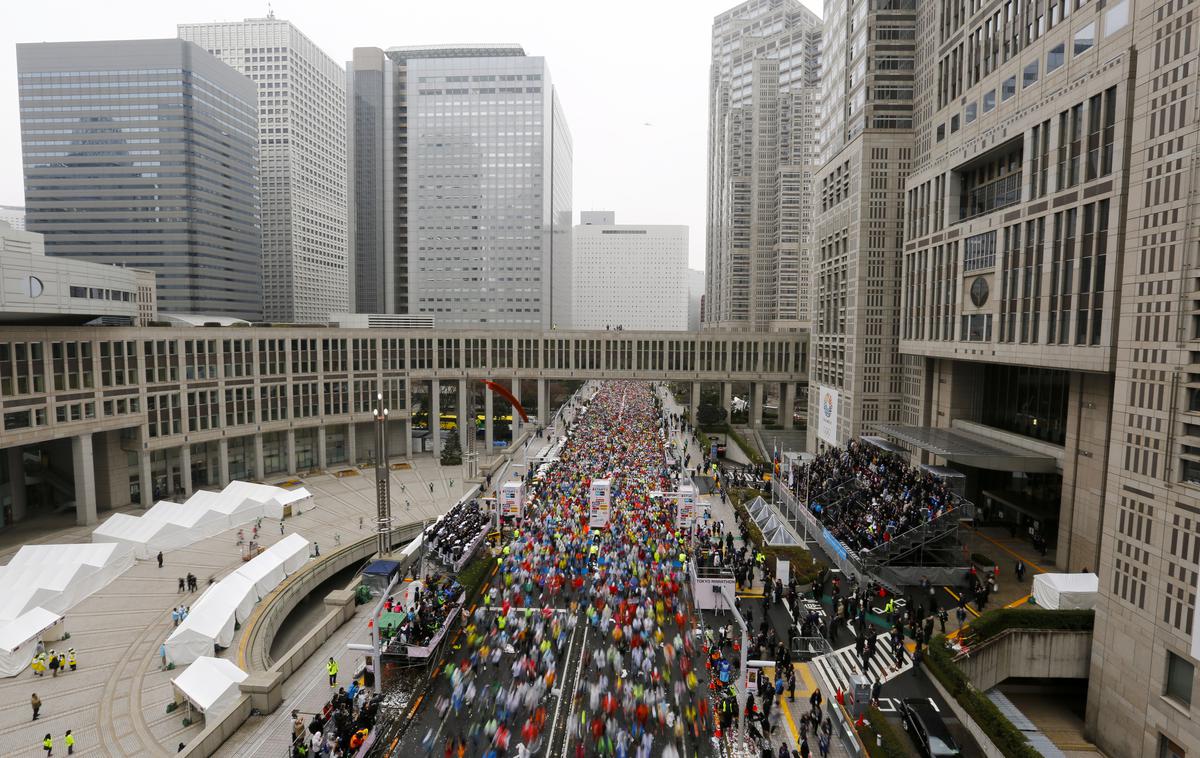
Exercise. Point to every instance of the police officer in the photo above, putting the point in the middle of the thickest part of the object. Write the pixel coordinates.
(332, 668)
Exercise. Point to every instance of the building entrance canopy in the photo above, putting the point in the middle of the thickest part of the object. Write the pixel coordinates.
(967, 449)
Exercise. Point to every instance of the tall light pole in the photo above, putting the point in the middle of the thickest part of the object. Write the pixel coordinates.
(383, 483)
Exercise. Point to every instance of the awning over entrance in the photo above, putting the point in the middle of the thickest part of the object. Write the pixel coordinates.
(884, 444)
(969, 449)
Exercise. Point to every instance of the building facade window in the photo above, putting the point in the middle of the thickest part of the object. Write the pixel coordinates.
(1180, 674)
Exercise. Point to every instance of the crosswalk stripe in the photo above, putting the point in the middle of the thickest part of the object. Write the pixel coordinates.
(837, 667)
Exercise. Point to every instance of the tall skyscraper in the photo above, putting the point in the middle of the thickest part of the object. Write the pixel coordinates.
(1048, 316)
(145, 153)
(763, 94)
(460, 186)
(866, 152)
(632, 276)
(302, 162)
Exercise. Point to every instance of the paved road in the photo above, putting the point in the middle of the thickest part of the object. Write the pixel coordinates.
(568, 704)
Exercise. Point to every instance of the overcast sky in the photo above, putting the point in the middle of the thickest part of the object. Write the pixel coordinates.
(632, 76)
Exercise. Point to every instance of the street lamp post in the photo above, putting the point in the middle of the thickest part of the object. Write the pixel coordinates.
(383, 484)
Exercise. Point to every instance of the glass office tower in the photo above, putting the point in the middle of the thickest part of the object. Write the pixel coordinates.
(145, 153)
(461, 186)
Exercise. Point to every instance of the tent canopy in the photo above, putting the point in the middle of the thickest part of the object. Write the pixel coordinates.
(1066, 591)
(210, 684)
(25, 627)
(264, 573)
(292, 550)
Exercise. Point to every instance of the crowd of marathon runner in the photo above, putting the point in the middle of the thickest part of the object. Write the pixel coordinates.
(602, 615)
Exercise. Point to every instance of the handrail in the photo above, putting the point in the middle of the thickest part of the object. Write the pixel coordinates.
(267, 605)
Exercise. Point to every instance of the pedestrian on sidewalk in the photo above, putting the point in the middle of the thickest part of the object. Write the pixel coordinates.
(36, 703)
(332, 668)
(48, 745)
(1020, 571)
(181, 584)
(69, 741)
(71, 658)
(160, 559)
(54, 664)
(281, 526)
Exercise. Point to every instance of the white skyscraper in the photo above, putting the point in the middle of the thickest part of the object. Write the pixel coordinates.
(631, 276)
(302, 133)
(13, 215)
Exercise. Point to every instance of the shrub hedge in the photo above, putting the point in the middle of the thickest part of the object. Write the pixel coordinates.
(998, 620)
(1011, 742)
(892, 745)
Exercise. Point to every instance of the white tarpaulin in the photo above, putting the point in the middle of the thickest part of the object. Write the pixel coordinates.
(293, 550)
(169, 526)
(264, 495)
(40, 583)
(210, 685)
(210, 623)
(19, 639)
(264, 573)
(145, 536)
(196, 516)
(56, 577)
(1066, 591)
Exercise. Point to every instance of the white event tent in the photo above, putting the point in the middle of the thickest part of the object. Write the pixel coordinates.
(210, 685)
(41, 583)
(214, 617)
(170, 526)
(1066, 591)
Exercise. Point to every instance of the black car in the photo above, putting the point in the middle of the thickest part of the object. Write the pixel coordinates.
(925, 728)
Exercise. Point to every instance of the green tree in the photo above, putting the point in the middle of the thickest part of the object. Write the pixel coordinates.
(710, 415)
(452, 449)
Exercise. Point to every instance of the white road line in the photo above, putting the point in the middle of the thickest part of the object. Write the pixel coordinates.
(563, 688)
(574, 689)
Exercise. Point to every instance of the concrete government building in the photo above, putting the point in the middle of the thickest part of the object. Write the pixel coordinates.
(1007, 250)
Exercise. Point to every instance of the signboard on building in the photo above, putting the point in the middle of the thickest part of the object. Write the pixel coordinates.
(512, 499)
(685, 512)
(827, 415)
(600, 499)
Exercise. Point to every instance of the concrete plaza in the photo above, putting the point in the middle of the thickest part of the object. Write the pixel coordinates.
(115, 704)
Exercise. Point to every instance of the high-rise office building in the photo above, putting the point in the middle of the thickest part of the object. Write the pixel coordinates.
(763, 94)
(632, 276)
(866, 143)
(14, 216)
(460, 186)
(302, 162)
(1048, 315)
(145, 153)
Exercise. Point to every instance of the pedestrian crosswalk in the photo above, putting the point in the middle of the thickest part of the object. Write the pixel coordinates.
(837, 667)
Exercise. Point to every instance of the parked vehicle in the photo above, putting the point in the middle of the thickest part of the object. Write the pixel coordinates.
(926, 729)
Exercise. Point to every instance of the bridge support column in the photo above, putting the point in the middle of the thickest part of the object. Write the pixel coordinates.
(185, 468)
(260, 468)
(466, 419)
(351, 446)
(407, 423)
(84, 466)
(756, 404)
(727, 399)
(146, 477)
(435, 416)
(291, 451)
(694, 407)
(488, 438)
(541, 412)
(787, 404)
(223, 460)
(321, 458)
